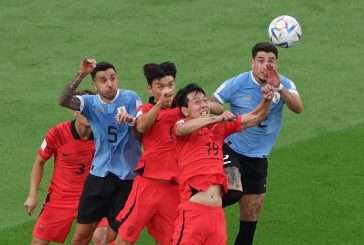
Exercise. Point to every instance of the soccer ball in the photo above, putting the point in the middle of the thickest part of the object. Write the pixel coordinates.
(284, 31)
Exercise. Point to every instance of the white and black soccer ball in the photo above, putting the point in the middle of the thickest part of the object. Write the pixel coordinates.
(284, 31)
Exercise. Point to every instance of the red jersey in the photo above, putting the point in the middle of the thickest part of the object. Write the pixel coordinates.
(158, 160)
(200, 159)
(72, 161)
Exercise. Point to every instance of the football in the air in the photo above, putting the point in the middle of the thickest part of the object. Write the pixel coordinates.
(284, 31)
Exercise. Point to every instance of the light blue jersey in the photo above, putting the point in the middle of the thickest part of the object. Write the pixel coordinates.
(243, 93)
(117, 151)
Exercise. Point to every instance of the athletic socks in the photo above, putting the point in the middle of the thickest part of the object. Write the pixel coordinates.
(246, 233)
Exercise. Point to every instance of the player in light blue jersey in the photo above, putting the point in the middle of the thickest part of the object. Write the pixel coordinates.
(117, 152)
(245, 153)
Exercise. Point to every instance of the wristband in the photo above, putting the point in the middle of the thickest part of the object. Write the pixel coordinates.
(280, 87)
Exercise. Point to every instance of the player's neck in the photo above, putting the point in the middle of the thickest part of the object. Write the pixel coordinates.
(83, 131)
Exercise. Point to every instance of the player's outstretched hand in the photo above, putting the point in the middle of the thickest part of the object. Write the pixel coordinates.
(167, 97)
(225, 116)
(267, 92)
(272, 76)
(30, 204)
(87, 66)
(124, 117)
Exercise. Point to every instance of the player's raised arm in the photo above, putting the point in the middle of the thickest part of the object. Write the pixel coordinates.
(186, 128)
(67, 98)
(216, 107)
(260, 112)
(292, 100)
(145, 122)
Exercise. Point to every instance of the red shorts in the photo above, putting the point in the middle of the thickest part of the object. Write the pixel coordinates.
(198, 224)
(151, 203)
(54, 223)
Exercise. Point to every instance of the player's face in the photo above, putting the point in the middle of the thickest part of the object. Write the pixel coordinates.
(81, 119)
(259, 65)
(163, 84)
(106, 83)
(198, 106)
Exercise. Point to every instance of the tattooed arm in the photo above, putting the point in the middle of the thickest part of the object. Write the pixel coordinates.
(67, 98)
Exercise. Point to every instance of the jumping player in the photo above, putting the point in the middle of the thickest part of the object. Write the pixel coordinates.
(199, 139)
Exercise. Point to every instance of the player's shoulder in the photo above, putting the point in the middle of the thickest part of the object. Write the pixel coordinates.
(59, 130)
(238, 80)
(240, 77)
(62, 126)
(288, 83)
(145, 106)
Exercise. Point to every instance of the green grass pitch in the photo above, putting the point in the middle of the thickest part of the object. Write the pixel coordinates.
(316, 172)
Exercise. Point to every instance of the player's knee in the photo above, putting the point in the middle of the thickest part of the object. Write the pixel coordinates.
(231, 197)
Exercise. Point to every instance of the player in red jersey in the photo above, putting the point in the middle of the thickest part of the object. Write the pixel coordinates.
(154, 197)
(199, 139)
(72, 145)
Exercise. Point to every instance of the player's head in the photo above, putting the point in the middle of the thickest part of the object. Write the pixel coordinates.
(264, 47)
(105, 80)
(262, 54)
(159, 77)
(81, 120)
(192, 101)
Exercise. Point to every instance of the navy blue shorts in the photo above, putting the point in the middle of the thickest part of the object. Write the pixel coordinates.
(103, 197)
(253, 170)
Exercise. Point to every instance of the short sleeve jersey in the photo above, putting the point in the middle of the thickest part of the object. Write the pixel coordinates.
(117, 151)
(158, 160)
(200, 159)
(72, 161)
(243, 93)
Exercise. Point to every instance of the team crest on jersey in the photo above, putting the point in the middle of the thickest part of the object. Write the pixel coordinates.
(276, 97)
(99, 109)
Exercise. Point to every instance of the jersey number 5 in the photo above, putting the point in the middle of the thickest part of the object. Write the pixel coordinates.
(113, 136)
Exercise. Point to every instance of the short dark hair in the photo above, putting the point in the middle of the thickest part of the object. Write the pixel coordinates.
(102, 66)
(181, 96)
(84, 91)
(265, 47)
(154, 71)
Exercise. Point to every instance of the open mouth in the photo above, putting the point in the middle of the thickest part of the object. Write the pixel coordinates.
(204, 113)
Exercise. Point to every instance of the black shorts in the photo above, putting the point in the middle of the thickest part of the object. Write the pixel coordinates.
(103, 197)
(253, 170)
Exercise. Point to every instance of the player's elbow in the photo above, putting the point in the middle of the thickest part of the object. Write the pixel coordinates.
(181, 131)
(297, 109)
(61, 101)
(141, 128)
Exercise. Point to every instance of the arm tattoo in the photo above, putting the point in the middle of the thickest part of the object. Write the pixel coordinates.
(67, 98)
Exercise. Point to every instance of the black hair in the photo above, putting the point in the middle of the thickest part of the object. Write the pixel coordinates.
(102, 66)
(154, 71)
(181, 96)
(265, 47)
